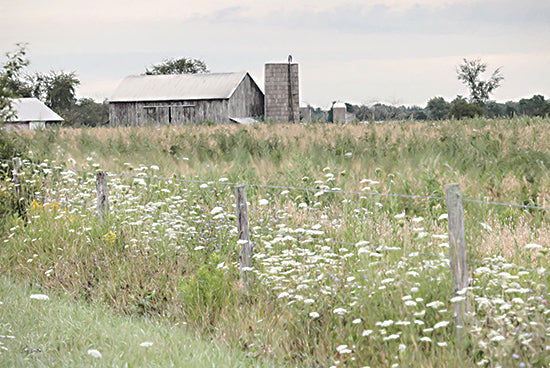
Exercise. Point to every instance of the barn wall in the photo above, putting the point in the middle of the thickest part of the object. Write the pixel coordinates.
(247, 100)
(168, 112)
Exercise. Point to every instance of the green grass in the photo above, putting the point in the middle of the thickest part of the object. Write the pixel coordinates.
(59, 332)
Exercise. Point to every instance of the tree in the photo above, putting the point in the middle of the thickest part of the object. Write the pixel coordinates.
(419, 114)
(10, 74)
(178, 66)
(494, 109)
(470, 73)
(56, 89)
(87, 112)
(534, 106)
(460, 108)
(60, 90)
(438, 108)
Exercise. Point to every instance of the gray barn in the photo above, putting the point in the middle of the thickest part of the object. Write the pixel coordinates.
(185, 98)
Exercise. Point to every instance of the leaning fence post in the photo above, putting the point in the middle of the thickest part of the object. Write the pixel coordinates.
(457, 253)
(245, 253)
(102, 195)
(15, 176)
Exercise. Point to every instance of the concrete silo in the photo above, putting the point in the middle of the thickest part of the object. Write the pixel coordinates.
(282, 97)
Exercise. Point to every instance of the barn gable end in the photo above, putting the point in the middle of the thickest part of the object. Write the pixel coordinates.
(247, 100)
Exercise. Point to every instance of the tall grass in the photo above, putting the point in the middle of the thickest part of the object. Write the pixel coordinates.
(344, 279)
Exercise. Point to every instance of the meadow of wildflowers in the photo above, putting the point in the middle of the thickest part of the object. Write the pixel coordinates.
(343, 273)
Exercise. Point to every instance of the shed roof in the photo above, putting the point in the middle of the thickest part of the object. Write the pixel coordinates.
(177, 87)
(32, 109)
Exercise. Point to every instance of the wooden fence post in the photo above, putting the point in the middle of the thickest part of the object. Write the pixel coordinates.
(457, 253)
(245, 253)
(102, 195)
(15, 176)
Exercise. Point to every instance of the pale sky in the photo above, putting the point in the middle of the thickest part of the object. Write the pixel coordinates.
(359, 51)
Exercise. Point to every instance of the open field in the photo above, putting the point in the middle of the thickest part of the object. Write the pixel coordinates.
(344, 274)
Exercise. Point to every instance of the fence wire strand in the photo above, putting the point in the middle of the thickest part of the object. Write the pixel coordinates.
(281, 187)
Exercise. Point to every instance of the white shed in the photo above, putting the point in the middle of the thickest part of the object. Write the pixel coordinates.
(31, 113)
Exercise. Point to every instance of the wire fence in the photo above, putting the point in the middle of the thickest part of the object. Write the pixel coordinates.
(281, 187)
(313, 190)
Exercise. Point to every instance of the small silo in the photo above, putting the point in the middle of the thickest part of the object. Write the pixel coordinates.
(282, 97)
(339, 112)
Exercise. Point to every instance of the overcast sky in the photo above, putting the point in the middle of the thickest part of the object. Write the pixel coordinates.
(361, 51)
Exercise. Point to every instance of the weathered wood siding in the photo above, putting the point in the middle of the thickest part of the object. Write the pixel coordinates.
(247, 100)
(168, 112)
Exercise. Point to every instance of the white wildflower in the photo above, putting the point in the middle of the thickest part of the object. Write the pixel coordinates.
(391, 337)
(343, 349)
(435, 304)
(146, 344)
(486, 227)
(40, 297)
(314, 315)
(386, 323)
(441, 324)
(216, 210)
(340, 311)
(263, 202)
(95, 353)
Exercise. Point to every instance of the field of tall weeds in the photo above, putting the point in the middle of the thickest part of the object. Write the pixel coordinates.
(348, 268)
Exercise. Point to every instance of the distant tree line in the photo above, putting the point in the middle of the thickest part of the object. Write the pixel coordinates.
(469, 73)
(57, 90)
(440, 109)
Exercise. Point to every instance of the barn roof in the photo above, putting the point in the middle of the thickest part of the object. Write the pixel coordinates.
(32, 109)
(177, 87)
